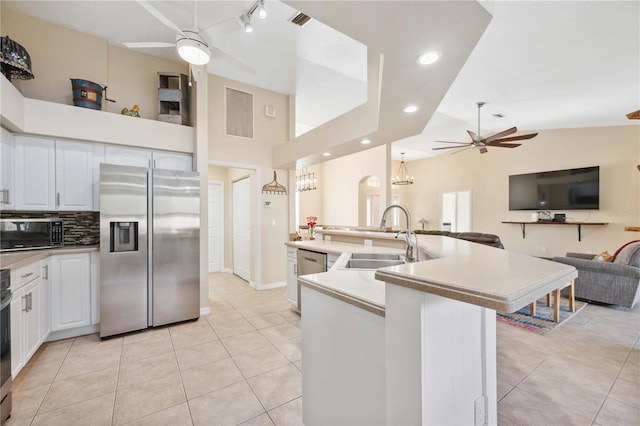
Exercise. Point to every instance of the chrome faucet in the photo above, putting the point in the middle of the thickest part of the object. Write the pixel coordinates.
(409, 247)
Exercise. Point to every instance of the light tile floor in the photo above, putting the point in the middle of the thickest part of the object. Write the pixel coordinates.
(241, 364)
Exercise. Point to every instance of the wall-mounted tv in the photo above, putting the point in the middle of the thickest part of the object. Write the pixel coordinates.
(571, 189)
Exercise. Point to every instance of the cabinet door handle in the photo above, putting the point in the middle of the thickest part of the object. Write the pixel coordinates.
(27, 275)
(5, 196)
(45, 272)
(29, 302)
(25, 306)
(58, 199)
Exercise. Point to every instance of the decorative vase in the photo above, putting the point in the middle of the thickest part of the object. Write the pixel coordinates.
(312, 231)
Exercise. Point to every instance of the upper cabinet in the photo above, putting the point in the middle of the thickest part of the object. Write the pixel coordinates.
(74, 175)
(34, 173)
(7, 161)
(172, 161)
(124, 156)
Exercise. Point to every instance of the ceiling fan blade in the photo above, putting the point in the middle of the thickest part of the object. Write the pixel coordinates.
(237, 63)
(483, 150)
(635, 115)
(223, 28)
(517, 138)
(148, 44)
(159, 16)
(498, 135)
(475, 138)
(451, 147)
(460, 143)
(505, 145)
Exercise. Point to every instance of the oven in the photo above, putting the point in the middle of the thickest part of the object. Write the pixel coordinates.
(5, 345)
(24, 234)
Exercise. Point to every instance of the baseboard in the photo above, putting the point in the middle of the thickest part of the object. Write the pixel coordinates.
(205, 311)
(72, 332)
(269, 286)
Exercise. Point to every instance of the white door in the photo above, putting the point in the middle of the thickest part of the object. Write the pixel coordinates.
(216, 230)
(456, 211)
(242, 229)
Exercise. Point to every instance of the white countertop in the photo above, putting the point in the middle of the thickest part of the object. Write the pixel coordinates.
(461, 270)
(18, 259)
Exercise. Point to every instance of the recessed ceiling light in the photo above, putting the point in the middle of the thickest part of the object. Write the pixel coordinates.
(326, 154)
(428, 58)
(365, 141)
(410, 108)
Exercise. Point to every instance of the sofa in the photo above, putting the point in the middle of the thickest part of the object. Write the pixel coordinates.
(616, 282)
(477, 237)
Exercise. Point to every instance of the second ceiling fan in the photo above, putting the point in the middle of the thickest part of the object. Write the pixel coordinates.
(495, 140)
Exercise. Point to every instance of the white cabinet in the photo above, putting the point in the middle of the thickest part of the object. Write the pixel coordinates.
(45, 298)
(331, 259)
(98, 157)
(95, 287)
(34, 173)
(74, 176)
(7, 160)
(123, 156)
(172, 161)
(292, 276)
(70, 291)
(26, 306)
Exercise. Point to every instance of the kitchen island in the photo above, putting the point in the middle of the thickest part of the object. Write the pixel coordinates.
(428, 357)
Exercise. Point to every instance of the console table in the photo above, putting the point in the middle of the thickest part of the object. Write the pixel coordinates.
(544, 222)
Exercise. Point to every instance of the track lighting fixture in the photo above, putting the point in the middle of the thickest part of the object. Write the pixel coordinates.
(262, 12)
(246, 23)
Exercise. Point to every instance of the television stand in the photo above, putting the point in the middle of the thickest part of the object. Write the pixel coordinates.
(545, 222)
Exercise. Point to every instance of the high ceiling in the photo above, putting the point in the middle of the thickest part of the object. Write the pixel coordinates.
(543, 65)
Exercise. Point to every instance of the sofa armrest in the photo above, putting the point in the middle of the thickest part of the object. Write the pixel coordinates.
(589, 256)
(600, 267)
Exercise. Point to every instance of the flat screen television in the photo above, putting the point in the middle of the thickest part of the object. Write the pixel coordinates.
(571, 189)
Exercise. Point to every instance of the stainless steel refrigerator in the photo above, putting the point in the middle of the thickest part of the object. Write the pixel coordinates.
(149, 248)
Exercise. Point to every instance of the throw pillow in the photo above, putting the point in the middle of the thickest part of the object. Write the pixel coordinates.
(603, 257)
(629, 255)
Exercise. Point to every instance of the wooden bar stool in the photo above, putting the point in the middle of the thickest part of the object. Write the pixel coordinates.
(556, 301)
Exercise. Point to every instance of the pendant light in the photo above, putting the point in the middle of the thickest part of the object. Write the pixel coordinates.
(402, 177)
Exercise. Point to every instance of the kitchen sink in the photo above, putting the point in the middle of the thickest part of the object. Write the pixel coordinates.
(372, 263)
(377, 256)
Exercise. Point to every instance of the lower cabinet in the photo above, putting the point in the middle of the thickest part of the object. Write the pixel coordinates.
(26, 305)
(70, 291)
(292, 276)
(45, 298)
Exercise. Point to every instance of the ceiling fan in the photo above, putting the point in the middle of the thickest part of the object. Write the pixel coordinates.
(496, 140)
(194, 45)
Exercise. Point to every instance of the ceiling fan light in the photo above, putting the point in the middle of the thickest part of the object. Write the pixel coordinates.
(193, 51)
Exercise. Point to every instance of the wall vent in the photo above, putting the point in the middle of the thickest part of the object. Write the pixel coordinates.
(238, 113)
(300, 19)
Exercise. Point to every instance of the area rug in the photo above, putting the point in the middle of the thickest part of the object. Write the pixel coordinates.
(542, 322)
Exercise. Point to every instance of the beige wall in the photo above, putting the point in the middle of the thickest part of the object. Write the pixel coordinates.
(615, 149)
(255, 154)
(59, 54)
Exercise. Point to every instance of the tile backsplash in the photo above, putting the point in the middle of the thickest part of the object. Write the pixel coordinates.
(76, 224)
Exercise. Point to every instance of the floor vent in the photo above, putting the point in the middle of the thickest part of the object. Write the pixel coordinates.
(238, 113)
(300, 19)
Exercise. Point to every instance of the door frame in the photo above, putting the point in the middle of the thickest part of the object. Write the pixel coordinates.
(257, 241)
(221, 242)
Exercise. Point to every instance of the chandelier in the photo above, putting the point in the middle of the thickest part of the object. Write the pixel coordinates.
(402, 177)
(306, 181)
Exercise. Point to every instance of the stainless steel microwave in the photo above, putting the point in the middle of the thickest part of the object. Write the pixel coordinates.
(24, 234)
